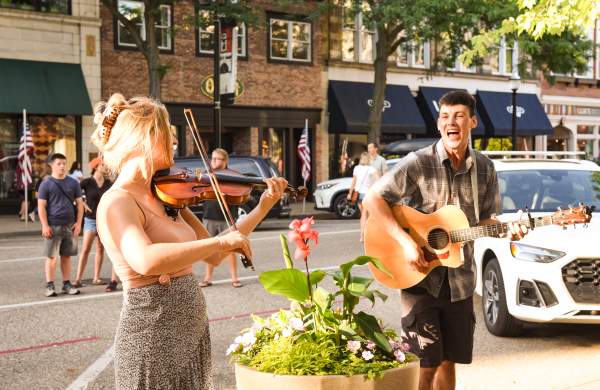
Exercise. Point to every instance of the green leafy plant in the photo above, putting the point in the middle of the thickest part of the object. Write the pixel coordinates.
(321, 333)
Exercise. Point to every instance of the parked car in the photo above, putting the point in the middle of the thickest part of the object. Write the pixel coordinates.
(331, 195)
(552, 274)
(249, 166)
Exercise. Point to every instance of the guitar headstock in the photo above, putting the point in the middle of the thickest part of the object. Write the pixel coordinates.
(573, 215)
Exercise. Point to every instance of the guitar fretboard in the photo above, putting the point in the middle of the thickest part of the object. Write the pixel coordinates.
(495, 230)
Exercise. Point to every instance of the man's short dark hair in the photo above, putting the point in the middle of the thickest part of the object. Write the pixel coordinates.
(454, 98)
(375, 145)
(56, 156)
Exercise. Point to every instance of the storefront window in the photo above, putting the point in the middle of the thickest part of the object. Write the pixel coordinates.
(50, 135)
(585, 129)
(348, 152)
(271, 146)
(587, 146)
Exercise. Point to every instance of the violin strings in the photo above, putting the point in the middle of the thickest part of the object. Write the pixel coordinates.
(204, 155)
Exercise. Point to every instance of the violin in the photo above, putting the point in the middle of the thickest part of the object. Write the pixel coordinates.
(177, 188)
(180, 187)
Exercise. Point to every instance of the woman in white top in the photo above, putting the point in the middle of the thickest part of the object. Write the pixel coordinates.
(363, 177)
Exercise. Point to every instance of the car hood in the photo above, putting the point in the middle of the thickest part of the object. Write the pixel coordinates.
(573, 238)
(336, 181)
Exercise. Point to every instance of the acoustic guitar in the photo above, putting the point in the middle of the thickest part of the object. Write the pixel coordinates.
(441, 235)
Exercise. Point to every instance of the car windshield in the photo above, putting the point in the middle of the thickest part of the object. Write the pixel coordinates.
(547, 189)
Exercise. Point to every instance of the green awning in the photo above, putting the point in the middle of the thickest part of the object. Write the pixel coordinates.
(43, 88)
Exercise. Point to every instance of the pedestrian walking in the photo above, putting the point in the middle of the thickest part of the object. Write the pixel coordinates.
(60, 208)
(162, 339)
(377, 161)
(93, 188)
(363, 177)
(215, 223)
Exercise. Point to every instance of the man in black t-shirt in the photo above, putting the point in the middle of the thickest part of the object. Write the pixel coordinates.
(215, 222)
(61, 210)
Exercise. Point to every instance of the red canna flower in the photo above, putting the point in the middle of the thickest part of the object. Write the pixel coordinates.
(301, 232)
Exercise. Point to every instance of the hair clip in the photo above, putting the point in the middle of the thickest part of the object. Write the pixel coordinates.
(111, 113)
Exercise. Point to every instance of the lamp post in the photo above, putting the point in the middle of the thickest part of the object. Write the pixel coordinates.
(515, 83)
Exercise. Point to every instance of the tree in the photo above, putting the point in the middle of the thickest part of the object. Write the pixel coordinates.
(148, 44)
(451, 26)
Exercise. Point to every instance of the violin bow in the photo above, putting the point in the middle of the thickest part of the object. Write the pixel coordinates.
(189, 117)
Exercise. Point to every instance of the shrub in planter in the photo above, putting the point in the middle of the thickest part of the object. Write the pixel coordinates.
(321, 333)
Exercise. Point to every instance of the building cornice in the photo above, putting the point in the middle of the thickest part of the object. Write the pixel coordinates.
(51, 18)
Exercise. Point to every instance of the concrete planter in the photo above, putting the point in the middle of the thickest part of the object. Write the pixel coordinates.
(405, 378)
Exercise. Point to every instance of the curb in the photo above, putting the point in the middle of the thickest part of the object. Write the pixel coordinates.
(26, 233)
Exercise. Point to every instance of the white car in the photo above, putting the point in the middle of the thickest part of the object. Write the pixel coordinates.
(331, 195)
(552, 274)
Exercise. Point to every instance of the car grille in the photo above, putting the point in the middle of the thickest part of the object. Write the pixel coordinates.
(582, 278)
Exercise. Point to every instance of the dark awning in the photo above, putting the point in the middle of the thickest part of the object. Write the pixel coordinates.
(428, 99)
(43, 88)
(349, 109)
(495, 109)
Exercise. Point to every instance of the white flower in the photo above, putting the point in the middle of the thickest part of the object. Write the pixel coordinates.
(371, 345)
(286, 332)
(367, 355)
(248, 339)
(238, 340)
(400, 356)
(353, 346)
(232, 348)
(256, 327)
(297, 324)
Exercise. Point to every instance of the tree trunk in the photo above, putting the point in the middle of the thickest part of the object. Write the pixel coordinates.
(379, 83)
(152, 51)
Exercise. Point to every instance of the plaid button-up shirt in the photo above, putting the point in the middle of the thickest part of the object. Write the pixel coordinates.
(426, 181)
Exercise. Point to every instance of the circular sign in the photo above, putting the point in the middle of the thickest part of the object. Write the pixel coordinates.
(207, 87)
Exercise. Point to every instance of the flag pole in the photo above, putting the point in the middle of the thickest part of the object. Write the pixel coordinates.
(25, 181)
(304, 198)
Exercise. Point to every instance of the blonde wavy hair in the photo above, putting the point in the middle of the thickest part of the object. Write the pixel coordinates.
(136, 127)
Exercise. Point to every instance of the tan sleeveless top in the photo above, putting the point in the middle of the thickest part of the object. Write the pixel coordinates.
(159, 229)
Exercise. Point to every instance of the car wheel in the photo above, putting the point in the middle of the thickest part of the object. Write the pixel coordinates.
(344, 209)
(493, 302)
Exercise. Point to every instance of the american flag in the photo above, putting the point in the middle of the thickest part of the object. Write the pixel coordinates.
(304, 152)
(25, 152)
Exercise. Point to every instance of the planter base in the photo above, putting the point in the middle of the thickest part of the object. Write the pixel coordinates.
(402, 378)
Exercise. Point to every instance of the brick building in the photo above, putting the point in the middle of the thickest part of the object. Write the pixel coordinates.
(279, 87)
(49, 66)
(410, 108)
(573, 106)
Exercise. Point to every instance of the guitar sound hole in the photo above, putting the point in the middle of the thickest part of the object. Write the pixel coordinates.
(438, 239)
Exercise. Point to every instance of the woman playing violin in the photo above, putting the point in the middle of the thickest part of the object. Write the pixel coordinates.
(162, 340)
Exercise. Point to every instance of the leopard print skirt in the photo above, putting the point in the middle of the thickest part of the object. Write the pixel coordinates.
(163, 341)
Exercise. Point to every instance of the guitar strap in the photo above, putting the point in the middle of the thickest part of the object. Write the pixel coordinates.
(474, 185)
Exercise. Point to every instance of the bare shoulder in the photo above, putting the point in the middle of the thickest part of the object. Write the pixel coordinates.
(119, 205)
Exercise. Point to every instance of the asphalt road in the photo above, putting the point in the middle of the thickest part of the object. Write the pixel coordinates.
(65, 342)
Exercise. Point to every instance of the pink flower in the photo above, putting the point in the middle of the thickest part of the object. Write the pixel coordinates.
(371, 345)
(400, 356)
(301, 233)
(353, 346)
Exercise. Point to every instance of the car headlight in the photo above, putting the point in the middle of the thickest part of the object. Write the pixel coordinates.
(325, 186)
(534, 253)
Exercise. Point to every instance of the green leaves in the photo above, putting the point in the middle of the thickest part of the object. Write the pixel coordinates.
(289, 282)
(286, 251)
(371, 329)
(362, 260)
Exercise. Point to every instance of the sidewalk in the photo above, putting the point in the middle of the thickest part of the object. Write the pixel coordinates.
(10, 226)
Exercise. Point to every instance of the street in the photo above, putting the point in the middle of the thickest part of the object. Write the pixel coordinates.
(65, 342)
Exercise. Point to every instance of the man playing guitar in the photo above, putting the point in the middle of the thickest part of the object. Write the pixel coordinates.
(438, 319)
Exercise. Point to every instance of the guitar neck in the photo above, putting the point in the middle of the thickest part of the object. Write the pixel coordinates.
(495, 230)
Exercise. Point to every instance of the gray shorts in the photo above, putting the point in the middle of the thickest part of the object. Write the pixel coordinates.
(215, 227)
(62, 242)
